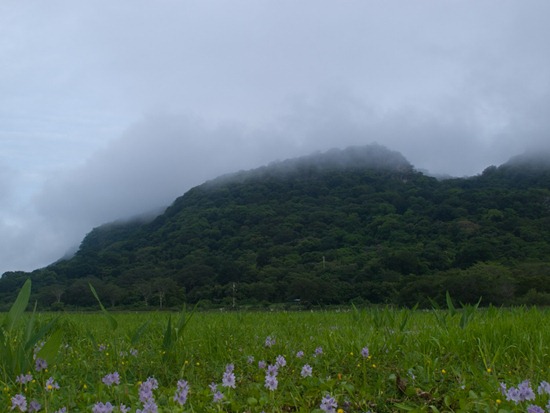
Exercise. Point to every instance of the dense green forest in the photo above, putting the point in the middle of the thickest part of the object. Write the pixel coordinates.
(359, 225)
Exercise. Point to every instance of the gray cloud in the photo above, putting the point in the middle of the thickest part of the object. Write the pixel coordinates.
(109, 109)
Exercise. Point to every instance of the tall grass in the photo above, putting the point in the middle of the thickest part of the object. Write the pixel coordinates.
(440, 360)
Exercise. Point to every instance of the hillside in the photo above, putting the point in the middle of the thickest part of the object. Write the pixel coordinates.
(355, 225)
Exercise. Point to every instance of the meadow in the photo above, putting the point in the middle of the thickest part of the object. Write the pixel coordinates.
(349, 360)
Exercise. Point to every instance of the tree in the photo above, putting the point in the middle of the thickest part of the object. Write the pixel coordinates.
(165, 287)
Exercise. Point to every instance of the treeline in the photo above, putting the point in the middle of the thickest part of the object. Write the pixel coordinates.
(321, 231)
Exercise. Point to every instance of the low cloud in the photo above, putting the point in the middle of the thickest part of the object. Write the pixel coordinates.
(453, 86)
(162, 156)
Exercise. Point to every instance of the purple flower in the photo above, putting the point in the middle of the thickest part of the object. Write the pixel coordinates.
(280, 361)
(133, 352)
(100, 407)
(300, 354)
(544, 387)
(365, 352)
(24, 378)
(261, 364)
(328, 404)
(40, 364)
(306, 371)
(181, 392)
(111, 378)
(123, 408)
(34, 406)
(272, 369)
(62, 410)
(217, 397)
(146, 390)
(513, 395)
(525, 391)
(51, 384)
(269, 341)
(533, 408)
(20, 402)
(503, 389)
(228, 380)
(213, 387)
(318, 351)
(149, 407)
(229, 368)
(250, 359)
(271, 382)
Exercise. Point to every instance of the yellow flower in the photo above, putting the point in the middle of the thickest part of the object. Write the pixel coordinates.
(489, 370)
(340, 411)
(351, 353)
(499, 401)
(374, 366)
(443, 371)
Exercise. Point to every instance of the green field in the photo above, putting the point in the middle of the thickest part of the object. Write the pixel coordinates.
(452, 360)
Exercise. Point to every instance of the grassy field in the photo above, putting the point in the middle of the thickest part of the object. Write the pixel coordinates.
(377, 360)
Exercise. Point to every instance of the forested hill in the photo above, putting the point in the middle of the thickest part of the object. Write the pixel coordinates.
(358, 225)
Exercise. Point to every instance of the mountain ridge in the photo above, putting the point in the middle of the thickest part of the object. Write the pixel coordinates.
(355, 224)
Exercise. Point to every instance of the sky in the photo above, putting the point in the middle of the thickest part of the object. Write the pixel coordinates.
(109, 109)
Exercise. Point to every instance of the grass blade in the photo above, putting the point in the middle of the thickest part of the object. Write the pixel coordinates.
(107, 315)
(19, 306)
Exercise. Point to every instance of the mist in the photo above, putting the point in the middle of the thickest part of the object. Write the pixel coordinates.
(110, 110)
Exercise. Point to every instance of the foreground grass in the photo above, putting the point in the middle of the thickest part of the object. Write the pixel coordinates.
(378, 360)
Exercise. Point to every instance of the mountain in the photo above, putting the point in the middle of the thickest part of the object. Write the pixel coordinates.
(356, 225)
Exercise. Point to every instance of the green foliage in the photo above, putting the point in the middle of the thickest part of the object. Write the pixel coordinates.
(413, 363)
(112, 321)
(21, 338)
(315, 232)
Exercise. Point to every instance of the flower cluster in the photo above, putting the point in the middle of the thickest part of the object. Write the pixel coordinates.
(271, 381)
(328, 404)
(148, 403)
(228, 379)
(307, 371)
(100, 407)
(217, 395)
(181, 393)
(24, 378)
(269, 341)
(111, 378)
(19, 401)
(51, 384)
(280, 361)
(524, 392)
(146, 396)
(40, 364)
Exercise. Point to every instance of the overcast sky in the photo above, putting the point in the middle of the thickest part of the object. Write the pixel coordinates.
(113, 108)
